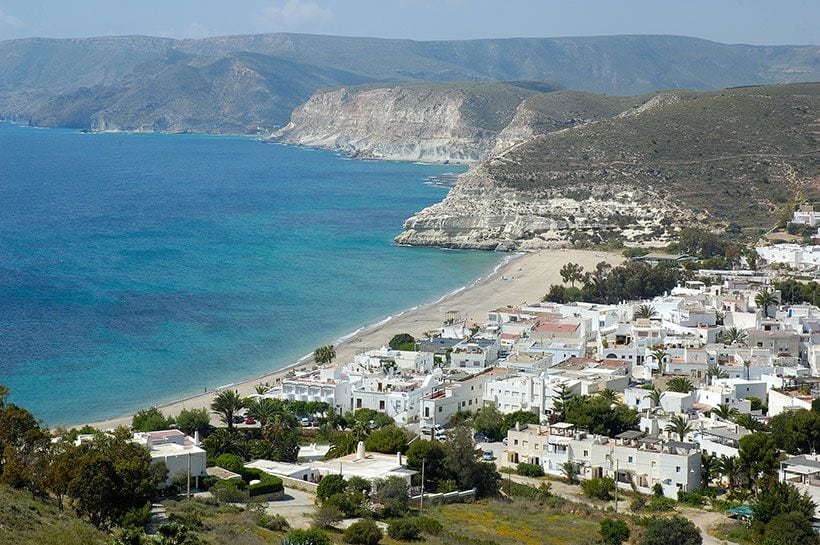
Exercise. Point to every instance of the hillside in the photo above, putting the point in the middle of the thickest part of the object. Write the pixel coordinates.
(243, 83)
(28, 521)
(411, 122)
(679, 158)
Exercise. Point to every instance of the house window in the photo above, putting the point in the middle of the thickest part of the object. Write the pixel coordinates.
(586, 453)
(440, 408)
(515, 441)
(677, 469)
(629, 460)
(471, 401)
(359, 403)
(427, 412)
(381, 405)
(463, 403)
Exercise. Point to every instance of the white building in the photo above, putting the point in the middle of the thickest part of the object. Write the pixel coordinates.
(331, 385)
(461, 392)
(397, 396)
(804, 473)
(794, 255)
(179, 452)
(473, 355)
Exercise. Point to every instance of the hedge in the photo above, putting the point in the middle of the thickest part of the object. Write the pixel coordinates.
(269, 484)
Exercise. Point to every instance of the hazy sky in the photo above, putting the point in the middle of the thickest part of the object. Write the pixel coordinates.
(731, 21)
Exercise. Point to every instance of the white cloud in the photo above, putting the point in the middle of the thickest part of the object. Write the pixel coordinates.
(293, 14)
(10, 20)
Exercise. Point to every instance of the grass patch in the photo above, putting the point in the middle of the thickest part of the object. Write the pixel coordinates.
(734, 531)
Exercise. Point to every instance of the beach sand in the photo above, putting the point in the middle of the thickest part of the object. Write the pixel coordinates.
(524, 279)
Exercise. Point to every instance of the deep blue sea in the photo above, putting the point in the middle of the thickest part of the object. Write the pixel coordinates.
(136, 269)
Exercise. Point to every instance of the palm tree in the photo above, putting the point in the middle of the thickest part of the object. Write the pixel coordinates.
(658, 353)
(729, 467)
(568, 469)
(226, 404)
(680, 425)
(749, 422)
(680, 384)
(655, 396)
(708, 467)
(714, 371)
(261, 388)
(724, 412)
(262, 409)
(746, 365)
(734, 336)
(610, 395)
(646, 311)
(343, 443)
(223, 441)
(4, 393)
(324, 354)
(764, 300)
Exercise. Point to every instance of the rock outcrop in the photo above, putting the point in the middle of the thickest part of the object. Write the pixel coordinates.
(429, 123)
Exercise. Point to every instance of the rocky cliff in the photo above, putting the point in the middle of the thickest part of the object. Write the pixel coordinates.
(422, 122)
(679, 158)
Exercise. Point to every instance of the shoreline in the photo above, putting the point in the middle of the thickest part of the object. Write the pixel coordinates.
(518, 278)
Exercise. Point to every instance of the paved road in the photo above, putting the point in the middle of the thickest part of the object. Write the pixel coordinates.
(702, 519)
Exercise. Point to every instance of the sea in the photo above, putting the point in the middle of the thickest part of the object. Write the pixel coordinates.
(136, 269)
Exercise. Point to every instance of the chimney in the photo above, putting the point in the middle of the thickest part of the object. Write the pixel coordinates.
(398, 458)
(360, 451)
(517, 426)
(196, 438)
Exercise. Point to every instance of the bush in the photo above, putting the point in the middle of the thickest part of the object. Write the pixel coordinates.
(660, 504)
(327, 515)
(229, 491)
(137, 518)
(274, 523)
(600, 489)
(404, 529)
(530, 470)
(231, 462)
(693, 499)
(387, 440)
(151, 420)
(638, 503)
(614, 532)
(313, 536)
(330, 485)
(364, 532)
(429, 525)
(671, 531)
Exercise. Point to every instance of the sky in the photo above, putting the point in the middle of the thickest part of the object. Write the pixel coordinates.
(762, 22)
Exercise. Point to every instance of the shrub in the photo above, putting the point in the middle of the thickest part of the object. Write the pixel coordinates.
(313, 536)
(638, 503)
(660, 504)
(671, 531)
(137, 517)
(693, 499)
(429, 525)
(231, 462)
(327, 515)
(387, 440)
(614, 532)
(657, 490)
(600, 489)
(364, 532)
(330, 485)
(530, 470)
(151, 420)
(274, 523)
(229, 491)
(404, 529)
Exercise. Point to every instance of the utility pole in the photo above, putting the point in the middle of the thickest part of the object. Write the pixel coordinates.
(616, 485)
(421, 502)
(189, 476)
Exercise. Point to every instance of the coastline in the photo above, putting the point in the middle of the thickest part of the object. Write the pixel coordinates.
(517, 279)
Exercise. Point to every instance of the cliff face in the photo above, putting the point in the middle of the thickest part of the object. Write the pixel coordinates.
(675, 159)
(431, 123)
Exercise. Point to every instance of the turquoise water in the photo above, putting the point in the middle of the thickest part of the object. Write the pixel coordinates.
(136, 269)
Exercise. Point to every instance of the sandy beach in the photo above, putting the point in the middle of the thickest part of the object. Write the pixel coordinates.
(524, 278)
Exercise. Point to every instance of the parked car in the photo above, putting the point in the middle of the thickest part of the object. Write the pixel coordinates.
(488, 456)
(250, 421)
(504, 441)
(238, 419)
(481, 438)
(306, 422)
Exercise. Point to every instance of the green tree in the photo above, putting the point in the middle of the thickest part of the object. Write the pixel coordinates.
(571, 273)
(749, 422)
(434, 455)
(193, 420)
(729, 467)
(614, 531)
(764, 300)
(675, 530)
(404, 529)
(489, 421)
(568, 469)
(724, 412)
(599, 488)
(341, 444)
(658, 354)
(262, 409)
(388, 440)
(656, 396)
(324, 354)
(734, 336)
(224, 441)
(364, 532)
(151, 420)
(392, 493)
(24, 448)
(609, 395)
(679, 425)
(401, 339)
(597, 415)
(280, 439)
(463, 464)
(780, 498)
(646, 312)
(758, 457)
(226, 404)
(680, 384)
(790, 529)
(562, 397)
(519, 417)
(797, 432)
(330, 485)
